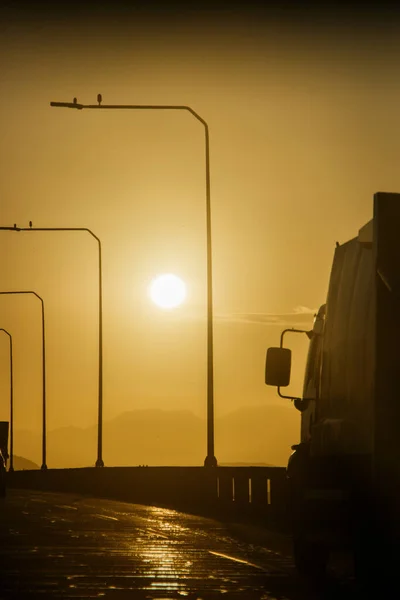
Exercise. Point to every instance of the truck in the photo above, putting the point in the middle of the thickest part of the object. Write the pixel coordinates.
(344, 475)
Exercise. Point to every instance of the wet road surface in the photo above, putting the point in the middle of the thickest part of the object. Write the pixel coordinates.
(69, 546)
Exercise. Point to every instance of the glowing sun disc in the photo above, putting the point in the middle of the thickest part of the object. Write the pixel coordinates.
(167, 291)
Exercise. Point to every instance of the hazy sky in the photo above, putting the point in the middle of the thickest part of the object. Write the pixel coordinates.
(303, 110)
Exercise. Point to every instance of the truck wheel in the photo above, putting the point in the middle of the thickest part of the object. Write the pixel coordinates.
(311, 558)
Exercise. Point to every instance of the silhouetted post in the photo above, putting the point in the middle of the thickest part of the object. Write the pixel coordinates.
(11, 467)
(210, 460)
(44, 464)
(99, 461)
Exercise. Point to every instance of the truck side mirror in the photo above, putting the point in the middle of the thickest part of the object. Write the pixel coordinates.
(277, 367)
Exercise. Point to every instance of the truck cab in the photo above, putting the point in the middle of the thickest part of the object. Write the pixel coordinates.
(344, 476)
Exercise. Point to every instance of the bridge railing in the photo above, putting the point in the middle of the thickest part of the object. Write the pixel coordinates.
(258, 493)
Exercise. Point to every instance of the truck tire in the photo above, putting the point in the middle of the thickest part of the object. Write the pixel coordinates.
(311, 558)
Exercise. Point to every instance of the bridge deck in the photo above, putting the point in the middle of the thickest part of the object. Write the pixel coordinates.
(62, 545)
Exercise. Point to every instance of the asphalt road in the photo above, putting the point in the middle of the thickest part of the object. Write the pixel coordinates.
(69, 546)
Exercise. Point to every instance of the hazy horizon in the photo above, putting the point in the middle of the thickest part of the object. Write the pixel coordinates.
(251, 435)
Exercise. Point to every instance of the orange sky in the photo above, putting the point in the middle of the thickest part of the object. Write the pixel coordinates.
(304, 129)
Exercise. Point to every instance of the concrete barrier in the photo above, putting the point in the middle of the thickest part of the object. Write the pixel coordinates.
(241, 493)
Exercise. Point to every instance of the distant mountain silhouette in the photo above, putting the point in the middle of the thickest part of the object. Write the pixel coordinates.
(251, 435)
(257, 434)
(20, 463)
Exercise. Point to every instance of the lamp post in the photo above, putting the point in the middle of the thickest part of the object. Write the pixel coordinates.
(11, 467)
(210, 460)
(99, 461)
(44, 464)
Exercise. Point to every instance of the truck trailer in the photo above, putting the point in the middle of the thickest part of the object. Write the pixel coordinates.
(344, 474)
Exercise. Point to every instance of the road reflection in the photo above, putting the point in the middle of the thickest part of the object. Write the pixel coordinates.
(56, 545)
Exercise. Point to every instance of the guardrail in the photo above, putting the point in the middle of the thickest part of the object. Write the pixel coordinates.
(254, 492)
(251, 493)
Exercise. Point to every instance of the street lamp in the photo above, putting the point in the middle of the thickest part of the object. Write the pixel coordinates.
(11, 467)
(99, 461)
(210, 460)
(44, 464)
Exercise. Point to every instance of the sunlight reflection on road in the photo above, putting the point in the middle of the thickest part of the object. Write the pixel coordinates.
(113, 549)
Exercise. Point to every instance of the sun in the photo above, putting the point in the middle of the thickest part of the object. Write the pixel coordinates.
(167, 291)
